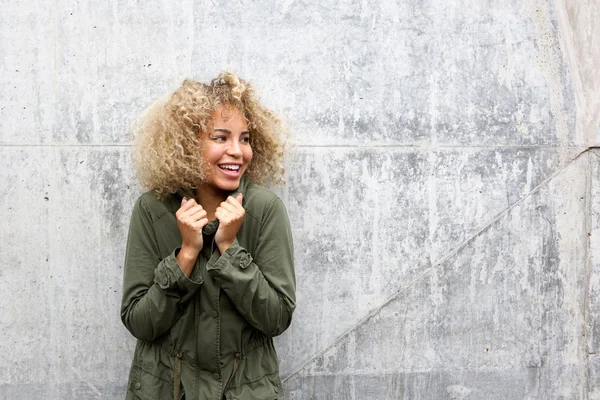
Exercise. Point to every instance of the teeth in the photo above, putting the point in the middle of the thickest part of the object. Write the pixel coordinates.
(230, 167)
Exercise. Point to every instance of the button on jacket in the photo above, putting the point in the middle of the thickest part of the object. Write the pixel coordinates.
(208, 336)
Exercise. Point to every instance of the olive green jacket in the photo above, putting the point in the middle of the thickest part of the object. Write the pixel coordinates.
(208, 336)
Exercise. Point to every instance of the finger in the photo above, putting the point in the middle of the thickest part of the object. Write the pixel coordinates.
(229, 207)
(222, 215)
(197, 212)
(191, 210)
(184, 206)
(187, 205)
(198, 216)
(183, 202)
(235, 204)
(198, 225)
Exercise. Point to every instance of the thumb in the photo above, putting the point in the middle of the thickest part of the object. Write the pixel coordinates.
(183, 200)
(239, 198)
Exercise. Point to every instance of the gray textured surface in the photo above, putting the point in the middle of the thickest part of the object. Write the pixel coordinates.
(438, 193)
(63, 236)
(503, 317)
(593, 320)
(404, 211)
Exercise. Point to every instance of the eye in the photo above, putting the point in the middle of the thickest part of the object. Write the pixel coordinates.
(220, 138)
(245, 139)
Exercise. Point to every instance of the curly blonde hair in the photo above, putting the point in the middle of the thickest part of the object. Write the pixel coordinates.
(169, 135)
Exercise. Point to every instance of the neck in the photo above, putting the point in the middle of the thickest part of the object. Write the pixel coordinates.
(210, 198)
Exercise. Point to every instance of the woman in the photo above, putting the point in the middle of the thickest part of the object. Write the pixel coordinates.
(209, 272)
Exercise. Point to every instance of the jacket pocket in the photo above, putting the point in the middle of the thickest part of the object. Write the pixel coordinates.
(256, 372)
(266, 388)
(146, 386)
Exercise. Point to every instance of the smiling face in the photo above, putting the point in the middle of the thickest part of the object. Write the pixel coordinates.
(227, 149)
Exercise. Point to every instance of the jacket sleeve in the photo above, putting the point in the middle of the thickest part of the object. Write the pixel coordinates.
(262, 288)
(154, 289)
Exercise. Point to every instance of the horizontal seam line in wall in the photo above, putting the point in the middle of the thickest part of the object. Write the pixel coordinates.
(308, 146)
(444, 146)
(63, 145)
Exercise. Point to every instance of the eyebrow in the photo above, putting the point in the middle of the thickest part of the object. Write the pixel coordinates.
(228, 131)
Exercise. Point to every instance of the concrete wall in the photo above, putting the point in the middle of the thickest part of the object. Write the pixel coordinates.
(444, 200)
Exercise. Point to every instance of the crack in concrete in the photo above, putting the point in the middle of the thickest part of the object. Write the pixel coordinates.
(402, 290)
(593, 152)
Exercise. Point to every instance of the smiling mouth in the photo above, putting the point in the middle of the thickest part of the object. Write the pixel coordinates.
(230, 167)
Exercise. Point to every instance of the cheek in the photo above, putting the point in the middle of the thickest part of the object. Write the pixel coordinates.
(211, 154)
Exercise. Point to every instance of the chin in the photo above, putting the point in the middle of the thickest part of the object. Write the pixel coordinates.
(227, 186)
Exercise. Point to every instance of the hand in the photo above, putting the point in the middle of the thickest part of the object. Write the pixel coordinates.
(191, 218)
(230, 215)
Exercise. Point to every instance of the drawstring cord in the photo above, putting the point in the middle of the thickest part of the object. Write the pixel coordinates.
(236, 362)
(177, 376)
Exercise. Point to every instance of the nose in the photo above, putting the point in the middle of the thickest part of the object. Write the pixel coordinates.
(234, 149)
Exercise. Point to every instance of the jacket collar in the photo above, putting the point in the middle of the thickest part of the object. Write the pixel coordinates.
(212, 226)
(242, 188)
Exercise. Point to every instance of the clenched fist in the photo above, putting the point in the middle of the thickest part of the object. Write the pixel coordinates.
(230, 215)
(191, 218)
